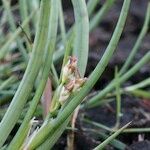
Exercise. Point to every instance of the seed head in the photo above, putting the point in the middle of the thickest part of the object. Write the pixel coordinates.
(69, 69)
(64, 95)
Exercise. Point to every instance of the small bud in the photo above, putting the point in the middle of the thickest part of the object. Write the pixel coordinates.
(79, 83)
(73, 64)
(64, 95)
(71, 80)
(70, 85)
(69, 69)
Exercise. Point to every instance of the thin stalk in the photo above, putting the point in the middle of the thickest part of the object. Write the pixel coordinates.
(100, 103)
(5, 48)
(54, 74)
(7, 92)
(122, 79)
(81, 31)
(138, 42)
(141, 84)
(68, 48)
(7, 82)
(128, 130)
(118, 99)
(11, 20)
(23, 7)
(3, 20)
(59, 53)
(100, 14)
(127, 63)
(99, 125)
(13, 28)
(129, 89)
(52, 126)
(129, 59)
(141, 93)
(102, 145)
(136, 130)
(49, 143)
(55, 81)
(62, 23)
(13, 112)
(53, 21)
(91, 6)
(34, 5)
(6, 98)
(115, 143)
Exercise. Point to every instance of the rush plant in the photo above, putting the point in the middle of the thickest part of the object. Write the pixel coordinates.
(69, 88)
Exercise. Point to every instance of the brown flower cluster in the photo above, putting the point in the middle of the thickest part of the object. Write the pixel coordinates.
(71, 79)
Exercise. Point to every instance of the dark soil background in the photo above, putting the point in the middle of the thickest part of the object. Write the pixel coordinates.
(132, 108)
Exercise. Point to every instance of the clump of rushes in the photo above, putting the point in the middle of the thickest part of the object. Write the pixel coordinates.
(52, 128)
(70, 89)
(71, 82)
(24, 90)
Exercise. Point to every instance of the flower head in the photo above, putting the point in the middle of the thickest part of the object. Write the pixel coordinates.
(69, 69)
(64, 95)
(78, 84)
(71, 80)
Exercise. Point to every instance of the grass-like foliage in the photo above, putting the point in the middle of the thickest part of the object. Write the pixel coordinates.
(35, 61)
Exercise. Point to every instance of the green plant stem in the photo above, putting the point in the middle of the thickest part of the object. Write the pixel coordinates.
(10, 118)
(3, 20)
(11, 20)
(129, 89)
(141, 84)
(54, 74)
(54, 80)
(34, 5)
(6, 98)
(136, 130)
(128, 130)
(91, 6)
(68, 48)
(53, 21)
(13, 28)
(53, 125)
(24, 13)
(99, 125)
(49, 143)
(123, 78)
(62, 23)
(81, 31)
(118, 98)
(100, 14)
(109, 87)
(58, 55)
(141, 93)
(110, 138)
(94, 22)
(10, 80)
(7, 92)
(23, 7)
(138, 42)
(115, 143)
(5, 48)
